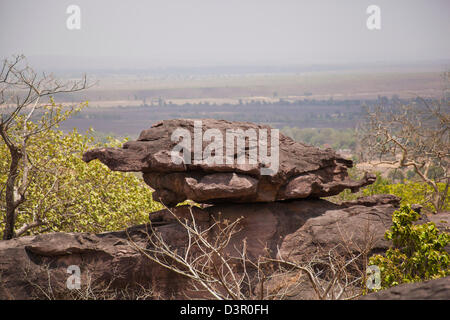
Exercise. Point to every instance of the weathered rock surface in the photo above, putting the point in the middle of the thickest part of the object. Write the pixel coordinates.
(438, 289)
(374, 200)
(303, 172)
(346, 228)
(359, 224)
(36, 266)
(29, 264)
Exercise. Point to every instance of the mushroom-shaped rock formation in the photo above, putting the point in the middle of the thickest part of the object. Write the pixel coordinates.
(212, 161)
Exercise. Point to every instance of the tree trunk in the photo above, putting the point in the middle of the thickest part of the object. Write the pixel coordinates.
(11, 202)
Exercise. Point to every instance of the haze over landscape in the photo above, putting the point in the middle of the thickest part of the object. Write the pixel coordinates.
(137, 34)
(204, 58)
(231, 150)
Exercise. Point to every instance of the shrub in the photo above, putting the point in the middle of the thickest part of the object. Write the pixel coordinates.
(418, 251)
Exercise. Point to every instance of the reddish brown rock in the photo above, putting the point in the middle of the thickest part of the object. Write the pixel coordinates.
(303, 171)
(346, 228)
(375, 200)
(351, 227)
(32, 265)
(438, 289)
(35, 267)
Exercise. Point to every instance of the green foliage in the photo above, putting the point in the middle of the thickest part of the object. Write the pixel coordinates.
(410, 192)
(355, 174)
(418, 251)
(67, 194)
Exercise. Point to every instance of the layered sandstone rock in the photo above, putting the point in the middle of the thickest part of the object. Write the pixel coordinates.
(282, 169)
(36, 266)
(299, 229)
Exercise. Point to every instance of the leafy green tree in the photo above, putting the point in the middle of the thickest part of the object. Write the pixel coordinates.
(418, 251)
(23, 94)
(67, 194)
(44, 185)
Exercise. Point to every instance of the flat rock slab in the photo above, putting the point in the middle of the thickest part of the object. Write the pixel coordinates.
(300, 171)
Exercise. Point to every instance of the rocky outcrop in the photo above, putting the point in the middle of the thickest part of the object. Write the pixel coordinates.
(358, 224)
(36, 266)
(215, 175)
(374, 200)
(276, 198)
(438, 289)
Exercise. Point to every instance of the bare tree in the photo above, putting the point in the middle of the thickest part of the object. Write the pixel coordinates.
(415, 136)
(23, 94)
(215, 270)
(202, 260)
(45, 285)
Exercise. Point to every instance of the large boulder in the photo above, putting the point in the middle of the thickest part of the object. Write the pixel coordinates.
(271, 169)
(36, 267)
(349, 229)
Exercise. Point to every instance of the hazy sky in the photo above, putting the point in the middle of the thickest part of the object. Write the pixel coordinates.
(224, 32)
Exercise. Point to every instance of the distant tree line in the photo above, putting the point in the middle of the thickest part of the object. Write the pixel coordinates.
(323, 137)
(380, 100)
